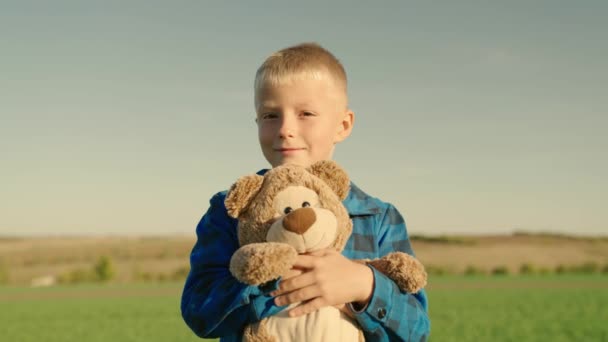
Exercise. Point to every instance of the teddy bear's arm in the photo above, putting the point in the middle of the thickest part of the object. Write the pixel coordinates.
(258, 263)
(405, 270)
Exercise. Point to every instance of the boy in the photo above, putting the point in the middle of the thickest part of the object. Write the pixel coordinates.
(302, 112)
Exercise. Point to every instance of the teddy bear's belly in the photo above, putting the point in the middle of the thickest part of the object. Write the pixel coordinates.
(326, 324)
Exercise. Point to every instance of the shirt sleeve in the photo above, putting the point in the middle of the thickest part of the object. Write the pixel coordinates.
(392, 315)
(214, 303)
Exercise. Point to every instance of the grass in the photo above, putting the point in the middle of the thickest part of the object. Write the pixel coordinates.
(523, 308)
(473, 308)
(94, 313)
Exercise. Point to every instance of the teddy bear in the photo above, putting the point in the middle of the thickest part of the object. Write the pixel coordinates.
(290, 210)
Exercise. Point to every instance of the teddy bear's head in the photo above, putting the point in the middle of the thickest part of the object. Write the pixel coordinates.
(292, 204)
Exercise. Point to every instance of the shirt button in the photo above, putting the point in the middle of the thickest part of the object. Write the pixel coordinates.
(381, 313)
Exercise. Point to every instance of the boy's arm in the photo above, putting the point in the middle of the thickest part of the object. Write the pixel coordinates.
(213, 302)
(391, 314)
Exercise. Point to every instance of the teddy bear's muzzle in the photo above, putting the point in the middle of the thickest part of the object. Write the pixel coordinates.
(299, 220)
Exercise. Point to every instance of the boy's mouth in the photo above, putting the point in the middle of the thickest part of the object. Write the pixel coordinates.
(288, 149)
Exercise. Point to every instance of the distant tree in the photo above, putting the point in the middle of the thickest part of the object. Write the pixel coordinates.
(472, 270)
(527, 269)
(436, 270)
(500, 270)
(180, 273)
(560, 269)
(587, 268)
(104, 269)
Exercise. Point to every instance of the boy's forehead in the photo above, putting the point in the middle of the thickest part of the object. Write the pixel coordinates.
(266, 92)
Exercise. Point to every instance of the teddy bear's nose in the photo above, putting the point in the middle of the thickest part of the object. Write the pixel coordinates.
(300, 220)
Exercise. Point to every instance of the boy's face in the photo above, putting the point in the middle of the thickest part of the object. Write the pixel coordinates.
(300, 121)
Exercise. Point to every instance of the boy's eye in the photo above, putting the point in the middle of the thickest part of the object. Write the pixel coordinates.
(269, 116)
(308, 114)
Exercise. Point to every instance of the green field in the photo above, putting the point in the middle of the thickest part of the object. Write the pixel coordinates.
(541, 308)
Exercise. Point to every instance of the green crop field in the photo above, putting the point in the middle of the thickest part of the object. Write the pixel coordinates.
(536, 308)
(481, 308)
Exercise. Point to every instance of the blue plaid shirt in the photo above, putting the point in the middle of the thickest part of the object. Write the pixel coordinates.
(215, 304)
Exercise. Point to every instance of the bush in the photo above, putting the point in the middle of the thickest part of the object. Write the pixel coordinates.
(104, 269)
(180, 273)
(143, 276)
(561, 269)
(586, 268)
(76, 276)
(500, 270)
(527, 269)
(436, 270)
(472, 270)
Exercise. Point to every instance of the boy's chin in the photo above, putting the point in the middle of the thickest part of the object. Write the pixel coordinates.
(291, 162)
(294, 161)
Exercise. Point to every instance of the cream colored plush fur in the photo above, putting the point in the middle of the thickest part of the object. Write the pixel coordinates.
(291, 210)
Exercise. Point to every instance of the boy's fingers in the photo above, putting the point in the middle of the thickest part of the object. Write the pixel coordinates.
(297, 296)
(320, 252)
(291, 274)
(292, 284)
(308, 260)
(304, 261)
(307, 307)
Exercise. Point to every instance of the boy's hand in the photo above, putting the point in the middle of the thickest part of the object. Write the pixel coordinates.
(328, 279)
(294, 272)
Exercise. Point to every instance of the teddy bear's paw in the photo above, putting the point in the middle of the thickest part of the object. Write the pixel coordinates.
(258, 263)
(406, 271)
(257, 332)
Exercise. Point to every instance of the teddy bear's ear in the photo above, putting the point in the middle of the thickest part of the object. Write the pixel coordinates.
(332, 174)
(241, 193)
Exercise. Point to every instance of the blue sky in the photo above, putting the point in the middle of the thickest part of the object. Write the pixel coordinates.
(127, 116)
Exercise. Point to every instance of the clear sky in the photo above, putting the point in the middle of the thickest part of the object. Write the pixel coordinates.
(127, 116)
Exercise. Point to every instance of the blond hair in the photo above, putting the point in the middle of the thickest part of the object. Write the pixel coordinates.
(307, 60)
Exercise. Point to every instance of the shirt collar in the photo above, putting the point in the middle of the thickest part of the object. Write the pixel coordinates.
(359, 203)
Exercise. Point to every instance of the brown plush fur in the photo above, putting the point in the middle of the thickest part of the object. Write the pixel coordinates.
(254, 208)
(258, 333)
(250, 200)
(277, 257)
(405, 270)
(241, 192)
(332, 175)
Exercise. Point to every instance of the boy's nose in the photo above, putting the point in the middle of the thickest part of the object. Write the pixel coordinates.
(286, 129)
(286, 133)
(299, 220)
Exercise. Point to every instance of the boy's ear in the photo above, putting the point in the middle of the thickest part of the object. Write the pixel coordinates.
(333, 175)
(345, 127)
(240, 194)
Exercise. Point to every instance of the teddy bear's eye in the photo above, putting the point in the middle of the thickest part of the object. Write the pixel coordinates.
(287, 210)
(305, 204)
